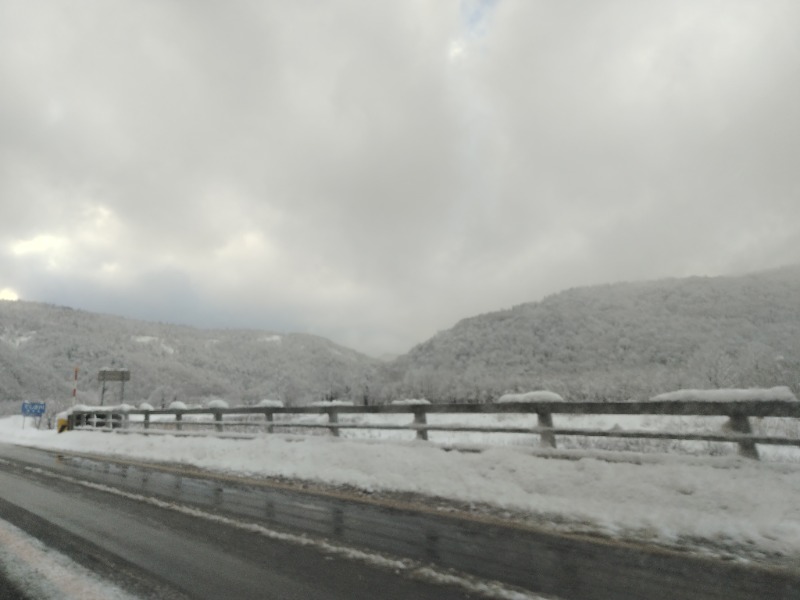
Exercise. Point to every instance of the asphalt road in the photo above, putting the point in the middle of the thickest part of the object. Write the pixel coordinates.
(159, 553)
(156, 550)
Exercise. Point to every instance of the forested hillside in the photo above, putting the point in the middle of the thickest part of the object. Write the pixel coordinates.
(40, 345)
(621, 340)
(613, 341)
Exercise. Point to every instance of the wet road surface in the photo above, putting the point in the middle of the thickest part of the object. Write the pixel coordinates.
(202, 558)
(159, 553)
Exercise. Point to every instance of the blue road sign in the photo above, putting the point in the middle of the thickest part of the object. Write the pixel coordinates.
(33, 409)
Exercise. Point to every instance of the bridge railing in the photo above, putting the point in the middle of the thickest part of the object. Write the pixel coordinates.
(238, 421)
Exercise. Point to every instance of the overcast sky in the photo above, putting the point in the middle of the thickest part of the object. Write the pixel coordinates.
(373, 172)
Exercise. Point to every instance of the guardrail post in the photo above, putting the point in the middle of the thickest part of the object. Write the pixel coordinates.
(420, 420)
(547, 439)
(147, 420)
(333, 418)
(270, 421)
(178, 421)
(741, 424)
(218, 421)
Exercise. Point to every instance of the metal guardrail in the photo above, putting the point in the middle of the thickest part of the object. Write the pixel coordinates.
(737, 430)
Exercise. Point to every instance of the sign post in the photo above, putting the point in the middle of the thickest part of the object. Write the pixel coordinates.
(121, 375)
(32, 409)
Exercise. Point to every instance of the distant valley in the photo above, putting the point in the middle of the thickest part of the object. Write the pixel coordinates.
(40, 346)
(611, 341)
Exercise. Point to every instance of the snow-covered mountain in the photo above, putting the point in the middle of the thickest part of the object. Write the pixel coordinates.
(620, 340)
(610, 341)
(40, 345)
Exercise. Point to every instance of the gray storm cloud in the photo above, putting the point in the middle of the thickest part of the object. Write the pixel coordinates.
(373, 173)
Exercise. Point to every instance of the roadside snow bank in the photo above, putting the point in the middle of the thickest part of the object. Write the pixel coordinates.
(734, 503)
(47, 574)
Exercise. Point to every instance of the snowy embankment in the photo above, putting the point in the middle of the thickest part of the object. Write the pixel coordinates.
(47, 574)
(730, 505)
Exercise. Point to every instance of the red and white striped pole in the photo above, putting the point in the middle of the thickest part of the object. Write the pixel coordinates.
(75, 383)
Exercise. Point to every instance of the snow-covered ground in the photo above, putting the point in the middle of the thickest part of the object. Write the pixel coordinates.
(726, 504)
(46, 574)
